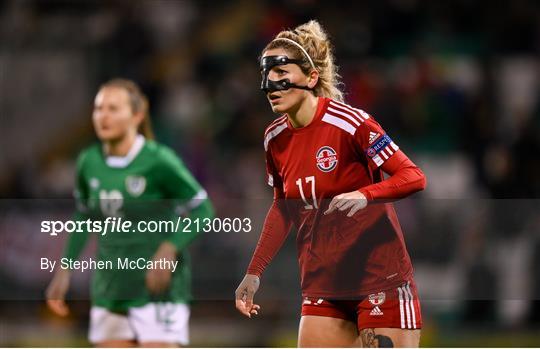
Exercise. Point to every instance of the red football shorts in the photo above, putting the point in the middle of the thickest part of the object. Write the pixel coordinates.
(394, 308)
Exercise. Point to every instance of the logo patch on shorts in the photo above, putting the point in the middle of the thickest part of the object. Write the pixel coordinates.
(326, 158)
(377, 298)
(312, 301)
(376, 312)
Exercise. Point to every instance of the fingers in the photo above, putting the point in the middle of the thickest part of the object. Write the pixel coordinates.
(58, 306)
(346, 204)
(354, 209)
(358, 205)
(255, 309)
(247, 310)
(333, 204)
(241, 306)
(244, 302)
(339, 202)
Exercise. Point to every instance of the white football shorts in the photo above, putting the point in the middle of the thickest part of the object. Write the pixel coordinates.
(153, 322)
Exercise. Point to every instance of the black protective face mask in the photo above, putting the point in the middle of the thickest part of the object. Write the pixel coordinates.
(267, 63)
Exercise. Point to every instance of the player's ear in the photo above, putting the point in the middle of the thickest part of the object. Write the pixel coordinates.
(313, 78)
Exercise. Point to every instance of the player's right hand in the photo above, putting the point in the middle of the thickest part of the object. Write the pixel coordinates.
(56, 293)
(244, 295)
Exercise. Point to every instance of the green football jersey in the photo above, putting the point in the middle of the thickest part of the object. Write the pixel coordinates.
(149, 184)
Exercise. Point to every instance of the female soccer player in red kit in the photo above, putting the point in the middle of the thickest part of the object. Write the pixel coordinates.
(356, 275)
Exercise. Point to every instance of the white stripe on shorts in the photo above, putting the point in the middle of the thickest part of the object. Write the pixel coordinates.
(401, 311)
(412, 305)
(407, 310)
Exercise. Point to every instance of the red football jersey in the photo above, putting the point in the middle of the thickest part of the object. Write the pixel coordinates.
(340, 151)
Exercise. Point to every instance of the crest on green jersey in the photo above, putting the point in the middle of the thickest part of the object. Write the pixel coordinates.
(135, 185)
(94, 183)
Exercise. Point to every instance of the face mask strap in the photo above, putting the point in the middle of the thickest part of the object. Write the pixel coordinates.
(269, 62)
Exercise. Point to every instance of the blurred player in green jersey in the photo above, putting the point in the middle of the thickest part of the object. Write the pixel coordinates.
(129, 175)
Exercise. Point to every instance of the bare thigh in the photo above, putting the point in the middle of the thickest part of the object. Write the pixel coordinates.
(116, 344)
(388, 338)
(322, 331)
(158, 345)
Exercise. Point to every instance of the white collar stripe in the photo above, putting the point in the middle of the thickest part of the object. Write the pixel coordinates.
(124, 161)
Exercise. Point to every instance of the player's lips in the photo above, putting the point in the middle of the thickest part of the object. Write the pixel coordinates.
(274, 98)
(104, 129)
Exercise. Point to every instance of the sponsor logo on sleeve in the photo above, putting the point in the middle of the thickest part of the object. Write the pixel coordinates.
(378, 146)
(373, 136)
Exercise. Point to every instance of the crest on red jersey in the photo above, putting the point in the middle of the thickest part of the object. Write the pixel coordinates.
(326, 158)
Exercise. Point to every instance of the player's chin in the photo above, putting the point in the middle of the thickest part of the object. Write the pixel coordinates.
(107, 135)
(278, 108)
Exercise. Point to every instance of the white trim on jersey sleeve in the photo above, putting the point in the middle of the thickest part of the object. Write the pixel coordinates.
(359, 113)
(338, 122)
(377, 160)
(335, 111)
(344, 116)
(350, 120)
(273, 133)
(385, 154)
(193, 203)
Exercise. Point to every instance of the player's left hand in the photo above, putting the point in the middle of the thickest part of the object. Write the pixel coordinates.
(353, 201)
(158, 280)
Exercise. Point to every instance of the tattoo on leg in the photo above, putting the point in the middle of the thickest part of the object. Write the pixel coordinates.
(372, 340)
(368, 338)
(384, 341)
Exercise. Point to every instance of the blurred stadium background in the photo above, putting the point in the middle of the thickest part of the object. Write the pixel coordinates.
(457, 83)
